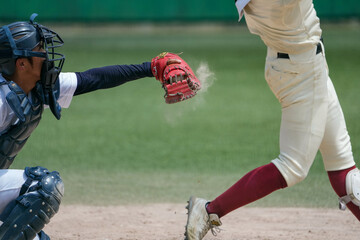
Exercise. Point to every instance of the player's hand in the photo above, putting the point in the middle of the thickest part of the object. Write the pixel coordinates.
(176, 77)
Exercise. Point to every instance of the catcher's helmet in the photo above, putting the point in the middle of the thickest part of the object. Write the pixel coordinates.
(18, 40)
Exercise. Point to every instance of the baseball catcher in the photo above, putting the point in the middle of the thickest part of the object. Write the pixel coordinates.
(30, 81)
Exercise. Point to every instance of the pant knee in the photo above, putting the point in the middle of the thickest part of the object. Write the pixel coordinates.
(299, 177)
(291, 171)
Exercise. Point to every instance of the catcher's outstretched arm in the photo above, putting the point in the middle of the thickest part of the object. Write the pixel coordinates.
(176, 76)
(110, 76)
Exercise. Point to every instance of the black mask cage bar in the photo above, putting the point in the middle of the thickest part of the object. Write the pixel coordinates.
(54, 61)
(51, 67)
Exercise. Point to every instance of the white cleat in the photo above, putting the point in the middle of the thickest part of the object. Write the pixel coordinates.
(199, 221)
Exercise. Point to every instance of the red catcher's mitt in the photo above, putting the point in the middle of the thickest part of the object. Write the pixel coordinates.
(176, 77)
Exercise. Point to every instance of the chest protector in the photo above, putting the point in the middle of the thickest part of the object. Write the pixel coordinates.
(29, 114)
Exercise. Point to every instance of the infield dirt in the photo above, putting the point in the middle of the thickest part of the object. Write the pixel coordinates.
(167, 222)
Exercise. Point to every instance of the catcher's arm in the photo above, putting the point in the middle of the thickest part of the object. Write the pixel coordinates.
(176, 77)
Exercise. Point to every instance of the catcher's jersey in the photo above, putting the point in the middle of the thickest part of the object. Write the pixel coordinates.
(68, 83)
(288, 26)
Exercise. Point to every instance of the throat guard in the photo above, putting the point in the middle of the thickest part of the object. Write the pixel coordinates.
(29, 114)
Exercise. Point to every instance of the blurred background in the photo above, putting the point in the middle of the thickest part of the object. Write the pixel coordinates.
(155, 10)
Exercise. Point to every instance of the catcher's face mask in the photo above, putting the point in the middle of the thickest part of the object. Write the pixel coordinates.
(48, 86)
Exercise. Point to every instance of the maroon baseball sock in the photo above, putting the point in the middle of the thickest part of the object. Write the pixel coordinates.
(337, 180)
(255, 185)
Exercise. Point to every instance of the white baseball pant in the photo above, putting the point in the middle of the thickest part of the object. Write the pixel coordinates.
(312, 117)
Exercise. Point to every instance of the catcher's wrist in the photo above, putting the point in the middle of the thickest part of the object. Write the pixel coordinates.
(153, 68)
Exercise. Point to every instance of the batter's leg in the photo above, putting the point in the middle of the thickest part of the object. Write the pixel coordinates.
(336, 149)
(255, 185)
(303, 96)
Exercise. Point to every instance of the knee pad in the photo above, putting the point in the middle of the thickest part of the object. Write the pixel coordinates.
(37, 203)
(352, 189)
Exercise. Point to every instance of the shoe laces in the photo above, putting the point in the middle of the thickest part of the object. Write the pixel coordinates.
(214, 226)
(210, 225)
(215, 230)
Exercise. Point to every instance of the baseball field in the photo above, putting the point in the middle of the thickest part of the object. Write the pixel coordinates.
(130, 162)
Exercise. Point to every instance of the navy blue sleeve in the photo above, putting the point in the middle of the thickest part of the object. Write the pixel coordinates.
(110, 76)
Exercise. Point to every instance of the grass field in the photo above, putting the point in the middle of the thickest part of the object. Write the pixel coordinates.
(125, 145)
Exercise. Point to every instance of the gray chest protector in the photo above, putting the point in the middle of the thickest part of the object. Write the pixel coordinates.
(29, 114)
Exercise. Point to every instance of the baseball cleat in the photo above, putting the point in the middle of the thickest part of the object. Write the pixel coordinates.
(199, 222)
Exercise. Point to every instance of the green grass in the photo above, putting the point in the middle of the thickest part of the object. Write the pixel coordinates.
(125, 145)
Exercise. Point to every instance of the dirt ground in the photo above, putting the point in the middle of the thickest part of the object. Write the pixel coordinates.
(167, 221)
